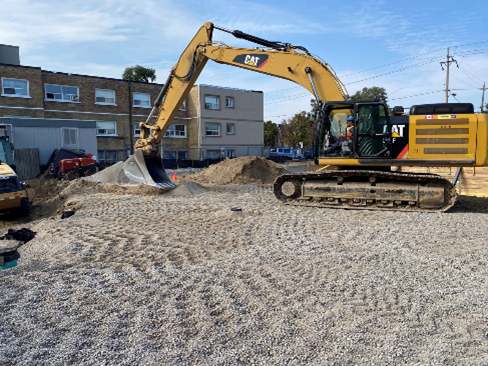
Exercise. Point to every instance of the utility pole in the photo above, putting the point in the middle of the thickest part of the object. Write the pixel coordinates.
(447, 63)
(483, 98)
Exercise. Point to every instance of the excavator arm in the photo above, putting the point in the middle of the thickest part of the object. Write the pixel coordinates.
(277, 59)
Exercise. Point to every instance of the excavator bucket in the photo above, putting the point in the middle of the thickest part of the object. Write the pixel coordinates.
(148, 170)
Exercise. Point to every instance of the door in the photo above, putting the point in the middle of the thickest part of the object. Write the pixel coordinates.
(372, 130)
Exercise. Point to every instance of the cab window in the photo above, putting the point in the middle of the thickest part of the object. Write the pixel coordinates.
(8, 184)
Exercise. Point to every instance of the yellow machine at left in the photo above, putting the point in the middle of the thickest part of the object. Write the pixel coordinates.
(13, 194)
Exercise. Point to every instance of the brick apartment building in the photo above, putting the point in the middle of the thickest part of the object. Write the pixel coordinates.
(212, 121)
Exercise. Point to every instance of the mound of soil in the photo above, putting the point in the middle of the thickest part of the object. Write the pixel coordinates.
(187, 189)
(112, 175)
(243, 170)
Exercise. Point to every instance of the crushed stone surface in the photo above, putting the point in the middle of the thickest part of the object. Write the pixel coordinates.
(235, 277)
(242, 170)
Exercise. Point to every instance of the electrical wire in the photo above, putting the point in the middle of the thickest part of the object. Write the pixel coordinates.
(392, 63)
(289, 96)
(472, 74)
(462, 81)
(395, 71)
(462, 70)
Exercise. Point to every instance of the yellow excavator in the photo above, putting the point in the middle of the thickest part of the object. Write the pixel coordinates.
(433, 135)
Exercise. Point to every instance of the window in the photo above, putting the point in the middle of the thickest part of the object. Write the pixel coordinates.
(230, 128)
(141, 100)
(103, 96)
(15, 88)
(231, 153)
(174, 154)
(70, 137)
(107, 155)
(176, 131)
(106, 128)
(110, 155)
(61, 93)
(213, 154)
(137, 130)
(229, 102)
(212, 129)
(211, 102)
(17, 116)
(183, 106)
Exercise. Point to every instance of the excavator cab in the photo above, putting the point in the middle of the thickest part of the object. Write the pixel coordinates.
(371, 130)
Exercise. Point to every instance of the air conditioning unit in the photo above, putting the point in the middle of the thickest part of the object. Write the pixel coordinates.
(74, 98)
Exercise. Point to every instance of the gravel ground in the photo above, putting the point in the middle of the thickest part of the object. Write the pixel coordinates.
(185, 280)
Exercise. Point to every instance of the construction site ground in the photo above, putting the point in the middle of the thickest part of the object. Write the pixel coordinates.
(219, 272)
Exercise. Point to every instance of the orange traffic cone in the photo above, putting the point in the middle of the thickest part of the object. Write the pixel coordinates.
(174, 176)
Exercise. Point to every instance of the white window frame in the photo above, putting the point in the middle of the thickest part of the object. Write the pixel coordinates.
(174, 128)
(101, 103)
(137, 128)
(141, 106)
(233, 129)
(183, 106)
(206, 131)
(61, 100)
(108, 134)
(227, 102)
(77, 137)
(209, 105)
(16, 95)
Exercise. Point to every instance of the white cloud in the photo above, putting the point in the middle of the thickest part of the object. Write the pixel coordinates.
(34, 24)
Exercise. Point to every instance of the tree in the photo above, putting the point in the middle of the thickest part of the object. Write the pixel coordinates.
(139, 73)
(371, 93)
(298, 129)
(270, 133)
(486, 108)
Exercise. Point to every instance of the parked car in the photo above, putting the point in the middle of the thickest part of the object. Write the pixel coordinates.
(285, 151)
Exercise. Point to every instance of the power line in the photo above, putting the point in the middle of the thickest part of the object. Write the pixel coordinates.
(395, 71)
(392, 63)
(462, 70)
(418, 95)
(464, 82)
(289, 96)
(472, 74)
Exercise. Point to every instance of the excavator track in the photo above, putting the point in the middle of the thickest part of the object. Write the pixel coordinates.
(367, 190)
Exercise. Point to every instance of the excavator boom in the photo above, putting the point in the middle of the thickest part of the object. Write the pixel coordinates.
(278, 59)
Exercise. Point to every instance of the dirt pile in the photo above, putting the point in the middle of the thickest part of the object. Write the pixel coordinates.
(187, 189)
(243, 170)
(112, 175)
(43, 190)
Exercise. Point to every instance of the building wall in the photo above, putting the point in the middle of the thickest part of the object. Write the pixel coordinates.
(46, 135)
(32, 105)
(123, 113)
(246, 115)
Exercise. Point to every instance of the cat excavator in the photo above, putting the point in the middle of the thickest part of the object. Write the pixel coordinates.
(431, 135)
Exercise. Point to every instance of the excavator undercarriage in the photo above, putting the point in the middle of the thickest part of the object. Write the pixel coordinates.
(366, 189)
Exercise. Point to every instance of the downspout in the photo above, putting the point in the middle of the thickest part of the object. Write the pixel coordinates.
(131, 127)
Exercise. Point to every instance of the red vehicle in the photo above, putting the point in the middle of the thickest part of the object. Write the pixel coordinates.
(71, 169)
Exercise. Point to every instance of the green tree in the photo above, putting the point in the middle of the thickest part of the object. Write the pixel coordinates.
(139, 73)
(375, 92)
(298, 129)
(486, 108)
(270, 133)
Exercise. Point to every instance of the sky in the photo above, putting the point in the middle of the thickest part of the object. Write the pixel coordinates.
(397, 45)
